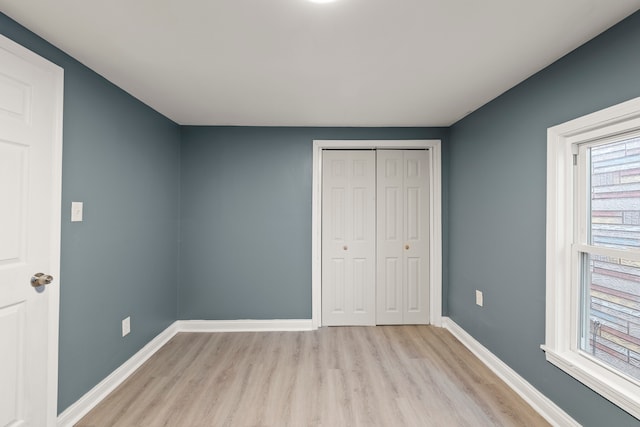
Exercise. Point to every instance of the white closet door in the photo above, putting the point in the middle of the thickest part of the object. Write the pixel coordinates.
(348, 238)
(402, 292)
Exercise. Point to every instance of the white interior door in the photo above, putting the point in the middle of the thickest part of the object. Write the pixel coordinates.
(30, 162)
(402, 290)
(348, 238)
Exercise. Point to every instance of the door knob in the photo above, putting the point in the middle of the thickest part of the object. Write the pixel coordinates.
(406, 247)
(345, 247)
(41, 279)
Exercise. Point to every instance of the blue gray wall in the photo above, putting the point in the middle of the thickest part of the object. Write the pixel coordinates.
(497, 209)
(247, 194)
(122, 160)
(246, 218)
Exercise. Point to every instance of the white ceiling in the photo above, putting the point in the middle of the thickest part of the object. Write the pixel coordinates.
(296, 63)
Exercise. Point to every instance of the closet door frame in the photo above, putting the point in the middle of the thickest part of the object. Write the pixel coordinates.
(435, 217)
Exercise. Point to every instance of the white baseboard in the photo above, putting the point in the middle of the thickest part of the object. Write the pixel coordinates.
(82, 406)
(545, 407)
(244, 325)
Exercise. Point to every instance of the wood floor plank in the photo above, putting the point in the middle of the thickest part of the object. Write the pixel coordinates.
(347, 376)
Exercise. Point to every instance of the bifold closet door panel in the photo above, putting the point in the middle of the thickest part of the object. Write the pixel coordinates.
(402, 261)
(390, 237)
(348, 238)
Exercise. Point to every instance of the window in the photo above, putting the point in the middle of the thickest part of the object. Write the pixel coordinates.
(608, 239)
(593, 252)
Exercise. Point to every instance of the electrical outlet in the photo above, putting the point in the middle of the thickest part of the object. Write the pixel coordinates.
(126, 326)
(479, 298)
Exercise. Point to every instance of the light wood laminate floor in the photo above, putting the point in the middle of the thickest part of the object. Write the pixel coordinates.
(332, 377)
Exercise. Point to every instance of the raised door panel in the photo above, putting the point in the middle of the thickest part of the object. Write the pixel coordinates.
(402, 240)
(348, 238)
(390, 213)
(12, 366)
(15, 98)
(13, 182)
(416, 236)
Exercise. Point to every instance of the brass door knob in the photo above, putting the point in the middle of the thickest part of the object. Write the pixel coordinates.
(406, 247)
(41, 279)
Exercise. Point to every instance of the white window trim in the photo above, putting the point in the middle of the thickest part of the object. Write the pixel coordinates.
(562, 296)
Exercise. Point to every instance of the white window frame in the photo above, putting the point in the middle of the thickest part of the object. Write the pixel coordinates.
(563, 246)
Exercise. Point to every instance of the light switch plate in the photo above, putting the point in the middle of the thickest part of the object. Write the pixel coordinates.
(479, 298)
(126, 326)
(76, 211)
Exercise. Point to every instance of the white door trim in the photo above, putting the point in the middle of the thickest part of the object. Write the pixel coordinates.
(435, 218)
(56, 187)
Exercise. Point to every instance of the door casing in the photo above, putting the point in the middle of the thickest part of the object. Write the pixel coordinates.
(435, 217)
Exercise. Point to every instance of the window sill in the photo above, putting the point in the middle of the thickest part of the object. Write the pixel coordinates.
(603, 381)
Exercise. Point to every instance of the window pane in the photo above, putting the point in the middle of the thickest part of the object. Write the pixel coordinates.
(611, 312)
(615, 194)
